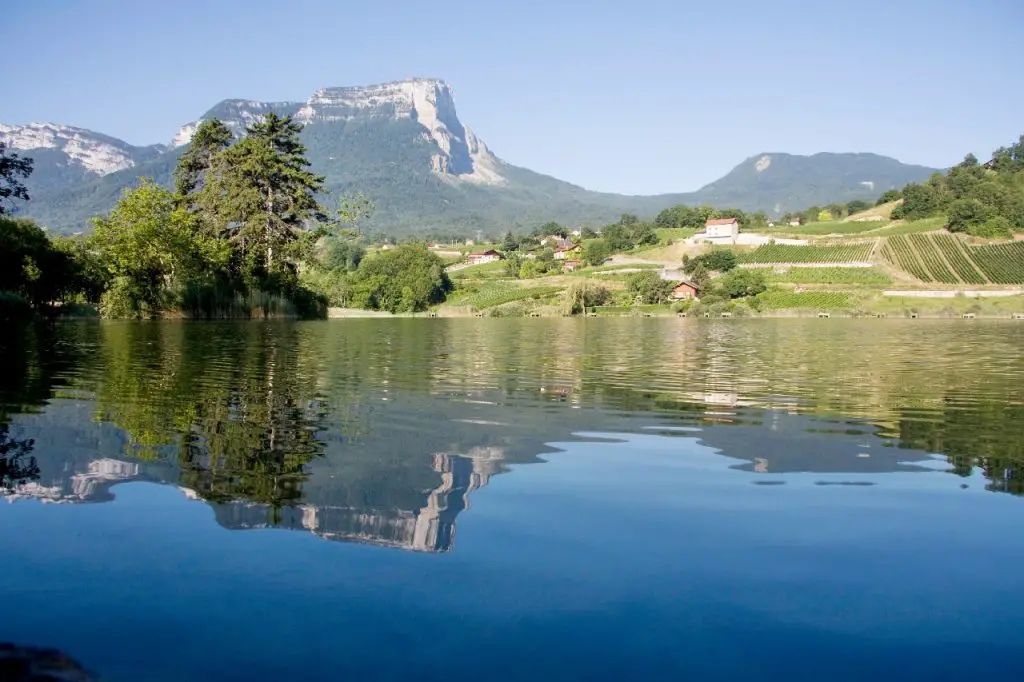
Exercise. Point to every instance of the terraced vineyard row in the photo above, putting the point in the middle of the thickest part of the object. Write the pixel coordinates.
(831, 275)
(947, 259)
(900, 253)
(931, 256)
(954, 251)
(497, 296)
(1001, 263)
(819, 300)
(793, 253)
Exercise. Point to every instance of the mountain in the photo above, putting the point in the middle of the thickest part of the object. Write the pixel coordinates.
(403, 145)
(64, 156)
(777, 183)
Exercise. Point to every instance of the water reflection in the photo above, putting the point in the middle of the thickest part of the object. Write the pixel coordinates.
(379, 431)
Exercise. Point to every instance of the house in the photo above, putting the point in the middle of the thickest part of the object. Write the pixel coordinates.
(571, 264)
(555, 241)
(577, 233)
(480, 257)
(685, 291)
(566, 252)
(722, 228)
(795, 222)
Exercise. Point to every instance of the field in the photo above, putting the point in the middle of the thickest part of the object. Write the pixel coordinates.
(915, 227)
(865, 276)
(812, 253)
(775, 299)
(833, 227)
(946, 259)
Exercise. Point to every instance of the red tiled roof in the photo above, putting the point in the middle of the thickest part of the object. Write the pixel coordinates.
(721, 221)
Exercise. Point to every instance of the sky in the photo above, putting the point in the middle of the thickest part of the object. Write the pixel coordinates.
(637, 97)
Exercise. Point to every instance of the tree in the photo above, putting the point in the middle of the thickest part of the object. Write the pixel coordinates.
(31, 266)
(551, 228)
(744, 282)
(889, 195)
(721, 260)
(510, 243)
(151, 246)
(650, 287)
(12, 167)
(643, 234)
(513, 264)
(963, 214)
(588, 233)
(210, 139)
(268, 193)
(596, 252)
(856, 206)
(408, 278)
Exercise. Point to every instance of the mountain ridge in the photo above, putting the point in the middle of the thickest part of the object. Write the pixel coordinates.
(403, 145)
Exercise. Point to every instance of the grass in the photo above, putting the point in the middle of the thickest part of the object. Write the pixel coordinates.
(613, 268)
(482, 271)
(915, 227)
(831, 227)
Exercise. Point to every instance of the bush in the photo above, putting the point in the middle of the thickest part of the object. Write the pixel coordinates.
(997, 226)
(740, 283)
(650, 287)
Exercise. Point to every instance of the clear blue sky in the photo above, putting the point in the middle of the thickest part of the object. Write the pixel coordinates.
(641, 96)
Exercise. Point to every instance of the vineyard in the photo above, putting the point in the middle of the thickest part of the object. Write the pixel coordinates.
(819, 300)
(945, 259)
(497, 295)
(1001, 263)
(791, 253)
(831, 276)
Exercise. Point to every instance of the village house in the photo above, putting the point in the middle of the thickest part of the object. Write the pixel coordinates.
(684, 291)
(567, 252)
(571, 264)
(795, 222)
(722, 228)
(480, 257)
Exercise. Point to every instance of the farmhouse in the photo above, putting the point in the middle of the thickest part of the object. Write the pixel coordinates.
(480, 257)
(570, 265)
(564, 252)
(685, 291)
(722, 228)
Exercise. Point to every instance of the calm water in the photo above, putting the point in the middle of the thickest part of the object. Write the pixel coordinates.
(517, 499)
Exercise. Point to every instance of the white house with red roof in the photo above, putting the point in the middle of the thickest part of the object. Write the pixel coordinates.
(722, 228)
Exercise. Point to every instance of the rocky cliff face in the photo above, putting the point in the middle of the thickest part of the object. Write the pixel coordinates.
(236, 114)
(96, 154)
(429, 102)
(458, 153)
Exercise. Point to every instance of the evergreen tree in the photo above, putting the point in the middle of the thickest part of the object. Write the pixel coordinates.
(510, 243)
(211, 138)
(268, 193)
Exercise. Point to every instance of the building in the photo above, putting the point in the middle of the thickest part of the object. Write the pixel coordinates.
(571, 264)
(567, 252)
(795, 222)
(722, 228)
(685, 291)
(480, 257)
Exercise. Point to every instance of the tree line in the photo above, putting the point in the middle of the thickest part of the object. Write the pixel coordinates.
(983, 200)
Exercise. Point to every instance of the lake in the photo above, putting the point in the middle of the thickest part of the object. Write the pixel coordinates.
(565, 499)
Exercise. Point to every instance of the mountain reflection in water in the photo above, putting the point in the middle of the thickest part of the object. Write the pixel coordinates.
(378, 431)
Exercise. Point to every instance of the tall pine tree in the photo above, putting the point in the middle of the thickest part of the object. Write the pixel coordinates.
(267, 193)
(210, 138)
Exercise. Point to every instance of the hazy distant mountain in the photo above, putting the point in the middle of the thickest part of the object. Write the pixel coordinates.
(403, 145)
